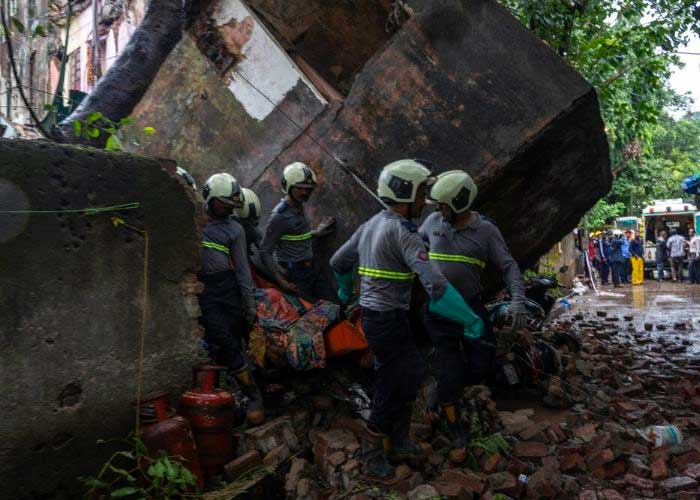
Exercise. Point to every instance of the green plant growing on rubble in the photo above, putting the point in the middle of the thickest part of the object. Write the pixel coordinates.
(134, 474)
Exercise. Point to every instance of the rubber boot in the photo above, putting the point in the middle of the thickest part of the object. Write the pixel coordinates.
(255, 414)
(375, 447)
(458, 453)
(402, 446)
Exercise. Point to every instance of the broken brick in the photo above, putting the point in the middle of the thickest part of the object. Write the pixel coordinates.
(530, 449)
(246, 462)
(600, 457)
(492, 463)
(659, 469)
(465, 478)
(571, 462)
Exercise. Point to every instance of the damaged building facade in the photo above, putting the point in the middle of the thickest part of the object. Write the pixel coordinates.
(252, 86)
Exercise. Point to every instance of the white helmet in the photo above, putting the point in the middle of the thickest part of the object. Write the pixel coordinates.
(399, 181)
(616, 233)
(225, 188)
(298, 174)
(251, 208)
(187, 177)
(456, 189)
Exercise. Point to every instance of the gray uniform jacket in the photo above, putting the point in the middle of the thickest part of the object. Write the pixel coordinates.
(288, 235)
(253, 237)
(389, 252)
(225, 250)
(461, 255)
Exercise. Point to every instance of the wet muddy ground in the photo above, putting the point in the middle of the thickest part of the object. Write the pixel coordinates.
(666, 304)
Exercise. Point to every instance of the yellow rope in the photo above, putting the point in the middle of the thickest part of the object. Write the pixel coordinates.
(144, 314)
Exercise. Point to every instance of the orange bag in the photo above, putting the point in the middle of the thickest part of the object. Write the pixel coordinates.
(345, 337)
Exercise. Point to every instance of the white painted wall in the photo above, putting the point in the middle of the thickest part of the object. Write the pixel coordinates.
(266, 65)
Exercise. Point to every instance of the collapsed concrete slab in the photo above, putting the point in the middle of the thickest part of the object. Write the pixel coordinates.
(461, 83)
(71, 303)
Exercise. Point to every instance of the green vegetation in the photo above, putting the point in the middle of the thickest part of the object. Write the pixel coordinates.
(628, 49)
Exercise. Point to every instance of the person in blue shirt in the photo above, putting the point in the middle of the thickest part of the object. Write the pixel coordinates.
(617, 261)
(626, 256)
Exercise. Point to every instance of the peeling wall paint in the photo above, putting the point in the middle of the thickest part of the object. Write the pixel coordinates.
(264, 63)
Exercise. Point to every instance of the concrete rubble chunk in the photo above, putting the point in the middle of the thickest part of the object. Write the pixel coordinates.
(299, 468)
(422, 492)
(270, 435)
(276, 456)
(678, 483)
(502, 482)
(545, 483)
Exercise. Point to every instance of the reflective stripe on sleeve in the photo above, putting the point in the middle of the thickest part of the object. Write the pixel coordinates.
(295, 237)
(215, 246)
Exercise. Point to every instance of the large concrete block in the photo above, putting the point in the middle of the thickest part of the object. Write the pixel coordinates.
(465, 85)
(71, 302)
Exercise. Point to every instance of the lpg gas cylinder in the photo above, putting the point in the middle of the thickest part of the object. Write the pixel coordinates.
(162, 429)
(210, 411)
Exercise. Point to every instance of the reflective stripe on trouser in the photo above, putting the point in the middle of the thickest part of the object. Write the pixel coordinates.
(383, 273)
(449, 257)
(215, 246)
(399, 368)
(296, 237)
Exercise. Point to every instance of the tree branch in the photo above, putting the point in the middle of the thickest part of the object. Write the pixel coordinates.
(11, 55)
(117, 93)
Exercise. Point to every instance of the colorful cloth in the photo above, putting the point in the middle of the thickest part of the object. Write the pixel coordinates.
(286, 333)
(306, 348)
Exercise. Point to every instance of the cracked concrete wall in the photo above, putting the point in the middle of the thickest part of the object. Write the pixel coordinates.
(70, 304)
(211, 119)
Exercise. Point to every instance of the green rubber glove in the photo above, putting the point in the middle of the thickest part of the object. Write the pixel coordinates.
(345, 286)
(452, 306)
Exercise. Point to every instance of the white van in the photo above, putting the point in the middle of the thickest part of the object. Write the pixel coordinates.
(665, 215)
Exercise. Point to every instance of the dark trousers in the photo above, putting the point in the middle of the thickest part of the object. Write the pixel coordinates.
(399, 368)
(677, 267)
(627, 275)
(660, 269)
(694, 270)
(618, 269)
(223, 320)
(458, 361)
(309, 279)
(604, 272)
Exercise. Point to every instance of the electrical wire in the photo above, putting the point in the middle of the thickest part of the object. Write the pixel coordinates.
(343, 164)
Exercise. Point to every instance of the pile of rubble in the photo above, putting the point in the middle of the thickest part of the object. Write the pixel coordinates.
(619, 381)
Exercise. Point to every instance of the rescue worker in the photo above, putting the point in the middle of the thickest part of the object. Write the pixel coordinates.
(228, 301)
(462, 242)
(248, 216)
(289, 236)
(388, 252)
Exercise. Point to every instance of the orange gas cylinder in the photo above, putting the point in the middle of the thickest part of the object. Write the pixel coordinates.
(161, 429)
(210, 411)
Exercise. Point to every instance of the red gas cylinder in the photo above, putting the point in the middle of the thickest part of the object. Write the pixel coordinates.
(210, 410)
(162, 429)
